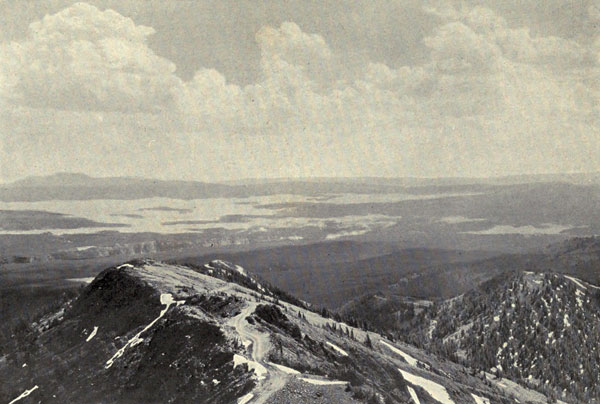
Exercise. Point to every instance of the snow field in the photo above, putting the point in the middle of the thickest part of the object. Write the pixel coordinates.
(411, 361)
(437, 391)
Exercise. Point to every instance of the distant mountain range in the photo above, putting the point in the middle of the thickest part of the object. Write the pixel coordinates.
(67, 186)
(74, 186)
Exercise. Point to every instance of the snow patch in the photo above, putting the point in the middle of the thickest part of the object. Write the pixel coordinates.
(166, 299)
(337, 348)
(259, 370)
(432, 326)
(566, 320)
(578, 294)
(285, 369)
(437, 391)
(92, 334)
(241, 270)
(576, 281)
(125, 266)
(411, 361)
(215, 382)
(25, 394)
(80, 280)
(323, 382)
(245, 399)
(480, 400)
(413, 395)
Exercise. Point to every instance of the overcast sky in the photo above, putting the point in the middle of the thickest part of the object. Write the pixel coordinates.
(235, 89)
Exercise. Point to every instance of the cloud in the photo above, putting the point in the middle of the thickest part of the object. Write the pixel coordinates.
(297, 91)
(209, 102)
(289, 43)
(86, 59)
(516, 44)
(457, 48)
(488, 99)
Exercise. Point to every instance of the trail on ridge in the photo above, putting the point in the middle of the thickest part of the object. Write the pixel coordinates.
(258, 345)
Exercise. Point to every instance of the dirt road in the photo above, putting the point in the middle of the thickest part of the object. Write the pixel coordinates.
(258, 345)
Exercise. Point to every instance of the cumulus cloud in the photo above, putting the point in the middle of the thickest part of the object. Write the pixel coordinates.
(515, 43)
(289, 43)
(296, 90)
(86, 59)
(489, 99)
(457, 48)
(209, 101)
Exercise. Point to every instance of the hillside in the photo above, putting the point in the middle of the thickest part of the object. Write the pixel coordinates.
(323, 275)
(530, 327)
(149, 332)
(579, 256)
(330, 274)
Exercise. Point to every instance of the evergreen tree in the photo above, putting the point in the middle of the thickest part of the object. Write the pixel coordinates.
(368, 342)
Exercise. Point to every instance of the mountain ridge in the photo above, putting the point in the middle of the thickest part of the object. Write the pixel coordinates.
(78, 186)
(147, 331)
(579, 177)
(527, 326)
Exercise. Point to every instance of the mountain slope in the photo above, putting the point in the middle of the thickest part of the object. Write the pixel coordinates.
(540, 329)
(151, 332)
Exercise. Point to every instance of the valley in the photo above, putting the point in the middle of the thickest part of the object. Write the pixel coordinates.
(388, 261)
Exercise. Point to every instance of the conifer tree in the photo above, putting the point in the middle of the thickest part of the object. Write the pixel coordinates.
(368, 342)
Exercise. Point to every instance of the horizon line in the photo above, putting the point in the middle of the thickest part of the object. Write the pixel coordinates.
(283, 179)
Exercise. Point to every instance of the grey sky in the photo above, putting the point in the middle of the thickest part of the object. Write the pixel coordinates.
(227, 89)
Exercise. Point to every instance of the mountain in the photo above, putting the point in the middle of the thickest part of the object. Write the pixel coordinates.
(57, 179)
(152, 332)
(70, 186)
(334, 283)
(66, 186)
(23, 220)
(578, 257)
(68, 178)
(77, 186)
(539, 329)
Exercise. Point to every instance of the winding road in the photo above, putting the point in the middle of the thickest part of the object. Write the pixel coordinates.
(258, 346)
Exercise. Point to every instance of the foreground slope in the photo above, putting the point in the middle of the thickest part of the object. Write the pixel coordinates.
(149, 332)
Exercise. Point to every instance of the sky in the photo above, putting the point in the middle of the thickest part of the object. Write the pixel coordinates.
(216, 91)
